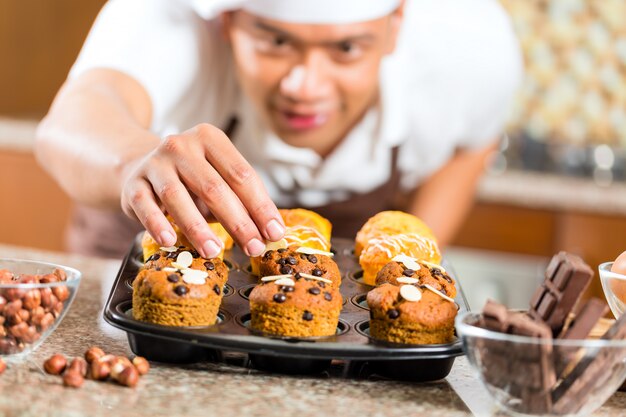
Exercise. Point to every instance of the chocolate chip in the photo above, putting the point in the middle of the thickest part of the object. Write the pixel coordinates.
(303, 256)
(297, 275)
(181, 246)
(268, 254)
(327, 296)
(181, 290)
(314, 290)
(209, 265)
(287, 288)
(436, 272)
(286, 269)
(317, 272)
(194, 254)
(281, 261)
(291, 260)
(171, 255)
(158, 268)
(282, 250)
(393, 313)
(408, 272)
(173, 278)
(307, 316)
(447, 278)
(280, 297)
(313, 259)
(154, 257)
(321, 284)
(217, 289)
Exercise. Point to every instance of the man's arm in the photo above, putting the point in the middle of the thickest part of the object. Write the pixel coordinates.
(445, 198)
(95, 142)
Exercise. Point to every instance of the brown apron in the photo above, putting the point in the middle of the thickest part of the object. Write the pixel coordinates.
(105, 233)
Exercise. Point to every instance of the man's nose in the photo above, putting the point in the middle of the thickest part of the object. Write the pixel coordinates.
(307, 80)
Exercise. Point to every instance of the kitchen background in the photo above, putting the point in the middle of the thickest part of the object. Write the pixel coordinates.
(558, 181)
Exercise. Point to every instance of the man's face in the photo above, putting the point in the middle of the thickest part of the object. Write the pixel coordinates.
(310, 83)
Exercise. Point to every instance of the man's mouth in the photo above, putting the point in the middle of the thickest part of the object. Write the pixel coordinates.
(303, 121)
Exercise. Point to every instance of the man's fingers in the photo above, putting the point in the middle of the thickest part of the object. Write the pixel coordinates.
(179, 204)
(239, 175)
(138, 201)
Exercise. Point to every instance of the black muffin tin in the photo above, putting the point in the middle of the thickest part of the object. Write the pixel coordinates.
(350, 347)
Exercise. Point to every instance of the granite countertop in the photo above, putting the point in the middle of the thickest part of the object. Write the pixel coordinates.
(213, 389)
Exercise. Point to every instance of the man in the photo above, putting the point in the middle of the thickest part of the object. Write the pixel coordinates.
(213, 109)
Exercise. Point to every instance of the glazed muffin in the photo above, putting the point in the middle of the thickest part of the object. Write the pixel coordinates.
(295, 307)
(150, 246)
(411, 315)
(303, 228)
(388, 223)
(296, 259)
(403, 270)
(179, 297)
(176, 257)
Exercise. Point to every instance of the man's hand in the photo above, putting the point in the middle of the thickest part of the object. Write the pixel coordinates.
(197, 174)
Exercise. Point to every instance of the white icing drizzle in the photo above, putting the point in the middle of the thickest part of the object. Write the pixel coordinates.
(311, 251)
(402, 243)
(293, 234)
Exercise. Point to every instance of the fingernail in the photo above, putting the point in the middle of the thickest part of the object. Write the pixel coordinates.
(255, 247)
(167, 238)
(275, 231)
(211, 249)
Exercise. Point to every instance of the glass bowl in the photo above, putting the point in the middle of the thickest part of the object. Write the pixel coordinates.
(531, 376)
(614, 287)
(34, 298)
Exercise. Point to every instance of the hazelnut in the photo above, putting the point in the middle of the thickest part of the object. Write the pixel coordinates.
(30, 334)
(3, 303)
(78, 365)
(24, 314)
(128, 377)
(46, 321)
(55, 365)
(62, 293)
(93, 353)
(100, 370)
(13, 294)
(3, 366)
(18, 330)
(46, 297)
(57, 309)
(3, 332)
(45, 279)
(142, 365)
(32, 299)
(60, 273)
(73, 379)
(8, 345)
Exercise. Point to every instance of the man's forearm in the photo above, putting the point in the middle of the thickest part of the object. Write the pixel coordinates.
(444, 200)
(96, 130)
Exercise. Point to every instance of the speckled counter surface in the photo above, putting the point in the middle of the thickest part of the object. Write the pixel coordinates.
(208, 389)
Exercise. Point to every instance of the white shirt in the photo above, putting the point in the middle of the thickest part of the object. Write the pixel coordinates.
(448, 85)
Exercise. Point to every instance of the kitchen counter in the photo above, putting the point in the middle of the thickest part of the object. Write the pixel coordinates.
(206, 389)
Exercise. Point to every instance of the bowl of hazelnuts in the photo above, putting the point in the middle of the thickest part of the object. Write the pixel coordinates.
(34, 298)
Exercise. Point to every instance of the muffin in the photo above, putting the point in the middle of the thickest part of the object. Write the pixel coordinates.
(303, 228)
(175, 257)
(388, 223)
(413, 272)
(175, 297)
(382, 249)
(295, 307)
(411, 315)
(150, 246)
(296, 259)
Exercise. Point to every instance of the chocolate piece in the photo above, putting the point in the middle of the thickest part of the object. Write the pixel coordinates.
(217, 289)
(280, 297)
(173, 278)
(591, 372)
(314, 290)
(210, 266)
(586, 319)
(408, 272)
(181, 290)
(291, 260)
(307, 316)
(327, 296)
(286, 269)
(317, 272)
(312, 259)
(287, 288)
(393, 314)
(567, 277)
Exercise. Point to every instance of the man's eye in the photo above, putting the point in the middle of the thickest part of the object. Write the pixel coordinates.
(346, 47)
(279, 41)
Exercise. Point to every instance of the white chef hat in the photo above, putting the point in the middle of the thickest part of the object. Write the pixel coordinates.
(306, 11)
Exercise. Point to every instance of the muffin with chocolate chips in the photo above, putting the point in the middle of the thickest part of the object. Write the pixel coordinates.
(411, 314)
(295, 259)
(417, 273)
(295, 307)
(170, 257)
(180, 297)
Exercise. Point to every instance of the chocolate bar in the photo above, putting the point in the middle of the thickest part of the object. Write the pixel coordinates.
(567, 277)
(591, 372)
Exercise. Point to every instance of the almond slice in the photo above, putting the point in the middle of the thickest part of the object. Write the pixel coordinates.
(409, 262)
(275, 277)
(311, 251)
(185, 258)
(285, 281)
(407, 280)
(194, 276)
(410, 293)
(169, 248)
(432, 265)
(279, 244)
(178, 266)
(439, 293)
(309, 276)
(170, 269)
